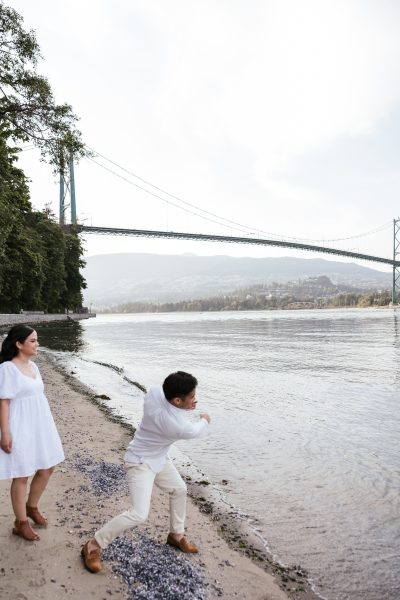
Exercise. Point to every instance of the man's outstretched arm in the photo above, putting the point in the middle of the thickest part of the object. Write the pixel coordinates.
(194, 430)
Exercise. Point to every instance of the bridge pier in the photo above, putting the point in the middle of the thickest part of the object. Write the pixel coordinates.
(67, 187)
(396, 256)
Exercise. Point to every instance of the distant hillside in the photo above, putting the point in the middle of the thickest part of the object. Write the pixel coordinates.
(117, 278)
(312, 292)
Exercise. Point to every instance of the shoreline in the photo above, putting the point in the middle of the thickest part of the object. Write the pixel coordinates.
(228, 566)
(243, 310)
(33, 318)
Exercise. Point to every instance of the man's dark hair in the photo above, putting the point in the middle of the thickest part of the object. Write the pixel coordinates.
(179, 385)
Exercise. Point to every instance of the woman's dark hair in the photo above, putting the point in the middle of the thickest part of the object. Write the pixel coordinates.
(18, 333)
(179, 385)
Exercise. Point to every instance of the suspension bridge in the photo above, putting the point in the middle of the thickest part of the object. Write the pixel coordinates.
(68, 200)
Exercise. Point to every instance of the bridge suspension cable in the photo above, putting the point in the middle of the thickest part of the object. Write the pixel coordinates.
(228, 222)
(225, 222)
(168, 201)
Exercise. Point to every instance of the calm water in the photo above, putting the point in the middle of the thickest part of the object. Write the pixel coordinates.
(306, 425)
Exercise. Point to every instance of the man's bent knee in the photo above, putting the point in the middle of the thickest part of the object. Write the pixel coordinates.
(180, 490)
(138, 517)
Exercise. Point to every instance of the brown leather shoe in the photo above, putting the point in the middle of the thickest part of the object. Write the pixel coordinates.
(183, 544)
(25, 531)
(33, 513)
(91, 559)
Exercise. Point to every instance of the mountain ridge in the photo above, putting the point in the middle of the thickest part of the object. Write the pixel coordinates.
(117, 278)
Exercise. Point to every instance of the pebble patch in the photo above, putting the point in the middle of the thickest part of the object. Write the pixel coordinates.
(153, 571)
(106, 478)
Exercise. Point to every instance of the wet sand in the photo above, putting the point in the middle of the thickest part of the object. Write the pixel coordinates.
(52, 567)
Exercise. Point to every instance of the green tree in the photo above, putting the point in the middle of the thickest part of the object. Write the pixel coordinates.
(51, 241)
(73, 262)
(39, 263)
(27, 107)
(17, 250)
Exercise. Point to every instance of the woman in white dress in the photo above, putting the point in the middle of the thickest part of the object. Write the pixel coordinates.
(29, 441)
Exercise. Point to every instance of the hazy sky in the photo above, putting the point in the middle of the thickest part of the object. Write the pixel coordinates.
(281, 115)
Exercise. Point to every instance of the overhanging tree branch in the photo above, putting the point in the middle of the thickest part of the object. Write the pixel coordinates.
(27, 106)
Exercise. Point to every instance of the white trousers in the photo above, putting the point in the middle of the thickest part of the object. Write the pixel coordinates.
(140, 480)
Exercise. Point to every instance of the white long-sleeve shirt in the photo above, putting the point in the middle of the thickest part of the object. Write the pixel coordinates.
(162, 424)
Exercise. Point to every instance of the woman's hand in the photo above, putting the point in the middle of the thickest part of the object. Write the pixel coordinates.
(6, 443)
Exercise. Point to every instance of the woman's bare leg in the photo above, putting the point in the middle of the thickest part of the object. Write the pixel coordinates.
(38, 485)
(18, 497)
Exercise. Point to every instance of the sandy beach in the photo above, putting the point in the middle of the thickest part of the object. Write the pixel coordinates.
(85, 491)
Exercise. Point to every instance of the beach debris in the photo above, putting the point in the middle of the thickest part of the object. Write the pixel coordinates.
(102, 396)
(120, 371)
(136, 384)
(154, 571)
(228, 563)
(108, 365)
(205, 506)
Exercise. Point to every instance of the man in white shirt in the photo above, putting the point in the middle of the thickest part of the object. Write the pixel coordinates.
(147, 462)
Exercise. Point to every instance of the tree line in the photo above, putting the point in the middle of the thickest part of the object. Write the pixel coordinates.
(39, 262)
(312, 292)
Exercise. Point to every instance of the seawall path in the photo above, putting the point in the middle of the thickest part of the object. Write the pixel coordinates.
(33, 317)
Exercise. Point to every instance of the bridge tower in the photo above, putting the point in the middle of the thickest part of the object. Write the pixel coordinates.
(67, 193)
(396, 258)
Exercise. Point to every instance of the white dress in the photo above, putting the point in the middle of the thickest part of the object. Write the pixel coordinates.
(35, 440)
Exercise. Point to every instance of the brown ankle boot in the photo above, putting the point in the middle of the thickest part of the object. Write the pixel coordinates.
(33, 513)
(24, 530)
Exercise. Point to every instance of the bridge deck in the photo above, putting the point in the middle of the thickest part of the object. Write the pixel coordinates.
(234, 240)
